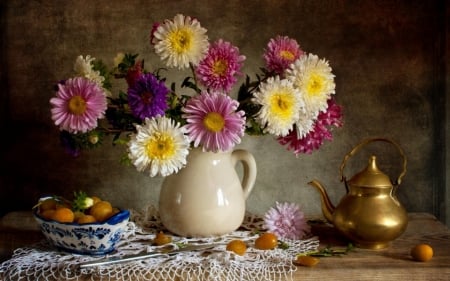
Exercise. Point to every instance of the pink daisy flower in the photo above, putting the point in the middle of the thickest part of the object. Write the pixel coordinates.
(218, 70)
(213, 122)
(78, 104)
(320, 132)
(286, 220)
(280, 53)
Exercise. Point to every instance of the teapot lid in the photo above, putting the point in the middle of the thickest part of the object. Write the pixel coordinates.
(371, 176)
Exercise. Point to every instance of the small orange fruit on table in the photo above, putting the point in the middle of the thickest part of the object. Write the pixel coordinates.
(422, 252)
(266, 241)
(306, 261)
(237, 246)
(161, 239)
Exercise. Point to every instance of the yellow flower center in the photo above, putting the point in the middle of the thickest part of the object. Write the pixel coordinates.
(315, 84)
(160, 146)
(180, 40)
(77, 105)
(220, 67)
(287, 55)
(281, 104)
(214, 122)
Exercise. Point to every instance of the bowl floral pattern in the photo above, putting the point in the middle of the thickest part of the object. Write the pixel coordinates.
(91, 239)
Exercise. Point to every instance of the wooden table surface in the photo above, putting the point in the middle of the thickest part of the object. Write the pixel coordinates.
(390, 264)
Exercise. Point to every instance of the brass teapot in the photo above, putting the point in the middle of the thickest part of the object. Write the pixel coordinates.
(370, 214)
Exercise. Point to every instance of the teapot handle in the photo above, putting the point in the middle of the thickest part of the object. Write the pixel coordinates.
(367, 141)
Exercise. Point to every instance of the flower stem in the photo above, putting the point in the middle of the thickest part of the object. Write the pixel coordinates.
(191, 66)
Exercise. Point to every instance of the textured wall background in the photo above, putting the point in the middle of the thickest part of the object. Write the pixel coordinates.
(388, 58)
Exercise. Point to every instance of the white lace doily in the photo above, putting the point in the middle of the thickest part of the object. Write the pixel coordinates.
(43, 262)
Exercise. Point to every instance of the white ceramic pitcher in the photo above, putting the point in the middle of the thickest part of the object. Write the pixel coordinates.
(207, 197)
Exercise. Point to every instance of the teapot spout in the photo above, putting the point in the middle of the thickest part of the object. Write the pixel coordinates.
(327, 206)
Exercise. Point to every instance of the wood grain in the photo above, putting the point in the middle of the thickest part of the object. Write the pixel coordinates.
(393, 263)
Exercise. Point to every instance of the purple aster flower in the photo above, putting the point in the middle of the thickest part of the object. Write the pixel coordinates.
(286, 220)
(320, 132)
(280, 53)
(218, 70)
(78, 104)
(213, 122)
(148, 97)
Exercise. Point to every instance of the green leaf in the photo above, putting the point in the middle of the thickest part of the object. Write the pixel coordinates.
(81, 201)
(283, 245)
(330, 252)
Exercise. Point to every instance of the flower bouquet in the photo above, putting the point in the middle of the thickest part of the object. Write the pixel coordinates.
(291, 99)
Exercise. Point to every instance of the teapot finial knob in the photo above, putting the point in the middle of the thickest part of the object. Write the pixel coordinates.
(373, 164)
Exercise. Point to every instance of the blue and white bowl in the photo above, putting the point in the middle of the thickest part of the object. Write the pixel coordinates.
(86, 239)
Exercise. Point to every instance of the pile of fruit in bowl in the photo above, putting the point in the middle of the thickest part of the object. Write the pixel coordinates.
(84, 225)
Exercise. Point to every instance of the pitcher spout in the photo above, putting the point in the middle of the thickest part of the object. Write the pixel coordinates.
(327, 206)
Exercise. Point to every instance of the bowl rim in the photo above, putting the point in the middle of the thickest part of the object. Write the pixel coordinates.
(117, 218)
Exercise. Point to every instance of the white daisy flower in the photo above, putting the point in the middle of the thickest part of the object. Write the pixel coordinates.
(83, 67)
(181, 41)
(313, 77)
(159, 146)
(281, 105)
(305, 123)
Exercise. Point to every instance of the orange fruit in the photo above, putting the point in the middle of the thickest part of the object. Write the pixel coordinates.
(266, 241)
(422, 252)
(60, 205)
(83, 219)
(47, 204)
(77, 215)
(237, 246)
(63, 214)
(161, 239)
(101, 210)
(47, 214)
(96, 199)
(306, 261)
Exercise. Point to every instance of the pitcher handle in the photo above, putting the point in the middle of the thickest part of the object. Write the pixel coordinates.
(367, 141)
(249, 165)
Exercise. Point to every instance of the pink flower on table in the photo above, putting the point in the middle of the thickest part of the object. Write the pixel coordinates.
(78, 104)
(286, 220)
(213, 121)
(218, 70)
